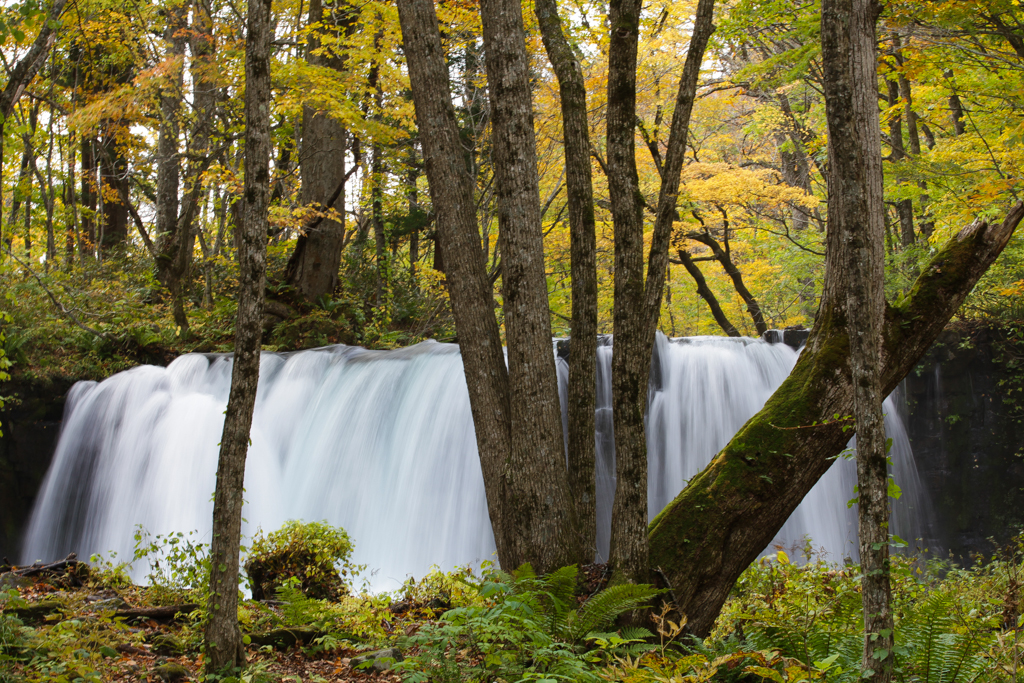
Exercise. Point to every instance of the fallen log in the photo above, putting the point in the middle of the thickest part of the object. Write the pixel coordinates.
(283, 638)
(168, 613)
(54, 567)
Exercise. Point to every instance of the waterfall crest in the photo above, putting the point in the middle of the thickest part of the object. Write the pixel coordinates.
(382, 444)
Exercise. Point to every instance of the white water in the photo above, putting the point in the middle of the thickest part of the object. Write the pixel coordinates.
(382, 444)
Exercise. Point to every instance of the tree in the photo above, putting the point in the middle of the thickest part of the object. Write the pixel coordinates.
(583, 349)
(27, 67)
(856, 215)
(223, 638)
(313, 266)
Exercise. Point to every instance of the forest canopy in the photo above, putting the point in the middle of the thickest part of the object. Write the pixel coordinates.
(123, 165)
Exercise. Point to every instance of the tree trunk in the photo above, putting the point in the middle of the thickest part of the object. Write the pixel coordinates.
(904, 207)
(458, 241)
(313, 266)
(89, 188)
(856, 211)
(114, 178)
(637, 305)
(169, 239)
(629, 379)
(727, 514)
(223, 639)
(537, 503)
(582, 395)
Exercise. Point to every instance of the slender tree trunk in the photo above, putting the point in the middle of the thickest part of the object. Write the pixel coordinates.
(89, 187)
(629, 378)
(925, 222)
(904, 207)
(724, 257)
(582, 398)
(856, 211)
(537, 505)
(22, 74)
(169, 239)
(638, 302)
(956, 108)
(223, 638)
(458, 241)
(414, 236)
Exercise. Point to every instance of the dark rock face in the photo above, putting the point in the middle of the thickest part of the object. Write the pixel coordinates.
(30, 425)
(966, 426)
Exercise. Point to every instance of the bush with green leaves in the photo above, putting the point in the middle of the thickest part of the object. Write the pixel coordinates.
(528, 627)
(179, 565)
(950, 622)
(315, 553)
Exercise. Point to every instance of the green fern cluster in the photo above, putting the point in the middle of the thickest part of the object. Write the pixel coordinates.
(529, 627)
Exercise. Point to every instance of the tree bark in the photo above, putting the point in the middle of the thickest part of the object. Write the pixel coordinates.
(638, 303)
(223, 638)
(313, 266)
(458, 241)
(168, 163)
(582, 397)
(722, 520)
(629, 380)
(856, 211)
(904, 207)
(537, 503)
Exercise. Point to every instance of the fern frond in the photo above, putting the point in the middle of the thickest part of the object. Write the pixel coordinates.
(603, 608)
(297, 608)
(636, 633)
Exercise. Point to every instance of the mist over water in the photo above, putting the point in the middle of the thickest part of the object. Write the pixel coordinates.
(382, 444)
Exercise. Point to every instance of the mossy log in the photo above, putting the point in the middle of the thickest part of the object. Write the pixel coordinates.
(283, 638)
(168, 613)
(704, 539)
(37, 611)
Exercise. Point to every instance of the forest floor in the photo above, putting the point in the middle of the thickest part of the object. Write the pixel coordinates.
(74, 624)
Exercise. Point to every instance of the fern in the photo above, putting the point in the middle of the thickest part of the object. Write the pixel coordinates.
(604, 608)
(938, 647)
(298, 609)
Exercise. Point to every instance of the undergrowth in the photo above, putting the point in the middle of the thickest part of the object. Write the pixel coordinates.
(784, 622)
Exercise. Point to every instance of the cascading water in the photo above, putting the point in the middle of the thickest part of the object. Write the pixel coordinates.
(382, 444)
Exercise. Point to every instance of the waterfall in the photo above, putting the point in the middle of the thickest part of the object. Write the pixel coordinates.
(382, 444)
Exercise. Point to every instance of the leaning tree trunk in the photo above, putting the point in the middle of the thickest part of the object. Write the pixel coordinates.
(537, 503)
(223, 638)
(856, 234)
(704, 539)
(582, 394)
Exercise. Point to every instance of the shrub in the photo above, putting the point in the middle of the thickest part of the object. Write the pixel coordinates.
(315, 553)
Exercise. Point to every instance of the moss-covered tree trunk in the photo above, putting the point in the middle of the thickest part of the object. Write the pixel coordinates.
(704, 539)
